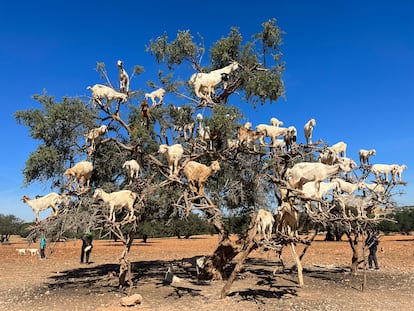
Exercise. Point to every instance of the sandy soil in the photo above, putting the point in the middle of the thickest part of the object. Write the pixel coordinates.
(61, 283)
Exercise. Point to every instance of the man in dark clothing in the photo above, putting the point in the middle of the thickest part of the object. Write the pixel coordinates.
(372, 243)
(86, 247)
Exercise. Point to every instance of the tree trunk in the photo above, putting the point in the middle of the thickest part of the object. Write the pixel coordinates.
(125, 274)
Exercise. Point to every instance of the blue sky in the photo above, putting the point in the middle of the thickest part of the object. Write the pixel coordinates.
(349, 65)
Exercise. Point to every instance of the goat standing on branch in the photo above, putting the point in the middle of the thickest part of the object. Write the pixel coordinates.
(197, 174)
(40, 204)
(204, 83)
(123, 78)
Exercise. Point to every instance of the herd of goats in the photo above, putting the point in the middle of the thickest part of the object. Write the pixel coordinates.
(314, 181)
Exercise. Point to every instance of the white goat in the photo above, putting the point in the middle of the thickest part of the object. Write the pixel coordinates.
(397, 171)
(33, 251)
(93, 134)
(100, 92)
(118, 200)
(133, 169)
(339, 148)
(308, 130)
(275, 122)
(328, 156)
(198, 173)
(264, 223)
(270, 131)
(384, 169)
(40, 204)
(123, 78)
(347, 187)
(81, 172)
(21, 251)
(304, 172)
(309, 189)
(204, 132)
(365, 154)
(208, 81)
(173, 154)
(159, 93)
(347, 164)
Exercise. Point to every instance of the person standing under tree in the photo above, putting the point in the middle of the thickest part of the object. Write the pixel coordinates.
(86, 247)
(372, 244)
(42, 247)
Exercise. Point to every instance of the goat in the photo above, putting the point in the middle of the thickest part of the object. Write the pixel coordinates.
(100, 92)
(21, 251)
(197, 174)
(93, 134)
(304, 172)
(159, 93)
(397, 172)
(309, 189)
(339, 148)
(123, 78)
(247, 136)
(42, 203)
(145, 113)
(264, 223)
(347, 187)
(328, 156)
(208, 81)
(384, 169)
(275, 122)
(290, 137)
(173, 154)
(287, 219)
(375, 187)
(133, 168)
(308, 129)
(365, 154)
(270, 131)
(118, 200)
(82, 173)
(33, 251)
(204, 131)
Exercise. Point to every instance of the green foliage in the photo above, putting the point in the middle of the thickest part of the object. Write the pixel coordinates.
(60, 128)
(9, 225)
(403, 221)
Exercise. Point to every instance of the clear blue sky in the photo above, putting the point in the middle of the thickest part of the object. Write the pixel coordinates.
(349, 65)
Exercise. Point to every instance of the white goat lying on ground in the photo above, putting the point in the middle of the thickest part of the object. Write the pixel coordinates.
(118, 200)
(198, 173)
(384, 169)
(364, 155)
(100, 92)
(207, 81)
(123, 78)
(308, 129)
(133, 169)
(173, 154)
(40, 204)
(81, 172)
(264, 223)
(159, 93)
(93, 134)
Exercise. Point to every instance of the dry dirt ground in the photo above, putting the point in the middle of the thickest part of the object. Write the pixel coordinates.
(61, 283)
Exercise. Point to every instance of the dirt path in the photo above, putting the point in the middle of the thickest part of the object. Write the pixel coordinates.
(62, 283)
